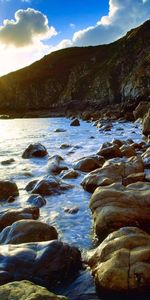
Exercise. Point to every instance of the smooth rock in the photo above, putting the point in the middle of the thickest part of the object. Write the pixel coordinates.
(141, 109)
(110, 151)
(56, 165)
(35, 150)
(132, 178)
(127, 151)
(10, 216)
(121, 264)
(7, 189)
(88, 164)
(50, 264)
(26, 290)
(116, 206)
(71, 210)
(7, 162)
(70, 174)
(26, 231)
(36, 200)
(49, 186)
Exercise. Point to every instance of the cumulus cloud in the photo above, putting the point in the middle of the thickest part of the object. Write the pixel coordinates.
(123, 15)
(29, 26)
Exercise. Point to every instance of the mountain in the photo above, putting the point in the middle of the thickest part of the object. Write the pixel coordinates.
(67, 78)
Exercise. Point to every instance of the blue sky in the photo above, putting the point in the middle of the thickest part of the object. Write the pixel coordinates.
(30, 29)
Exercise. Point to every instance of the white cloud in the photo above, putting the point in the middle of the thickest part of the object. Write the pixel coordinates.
(123, 15)
(29, 26)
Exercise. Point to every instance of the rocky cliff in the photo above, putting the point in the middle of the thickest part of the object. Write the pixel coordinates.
(101, 75)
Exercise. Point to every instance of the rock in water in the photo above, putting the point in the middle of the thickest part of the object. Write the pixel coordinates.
(36, 200)
(75, 122)
(121, 264)
(26, 290)
(26, 231)
(7, 189)
(47, 263)
(35, 150)
(10, 216)
(56, 165)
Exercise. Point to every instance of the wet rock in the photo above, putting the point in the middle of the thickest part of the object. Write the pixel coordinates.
(75, 122)
(60, 130)
(132, 178)
(110, 151)
(106, 127)
(127, 151)
(65, 146)
(7, 162)
(117, 142)
(49, 186)
(56, 165)
(70, 174)
(35, 150)
(116, 206)
(10, 216)
(26, 231)
(88, 164)
(29, 187)
(146, 124)
(141, 109)
(71, 210)
(36, 200)
(49, 263)
(26, 290)
(7, 189)
(121, 264)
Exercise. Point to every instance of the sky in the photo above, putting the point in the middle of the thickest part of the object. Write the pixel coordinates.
(30, 29)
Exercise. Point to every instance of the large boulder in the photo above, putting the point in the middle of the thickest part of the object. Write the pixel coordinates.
(88, 164)
(110, 151)
(121, 264)
(141, 109)
(112, 171)
(56, 165)
(49, 186)
(10, 216)
(26, 231)
(49, 263)
(146, 124)
(116, 206)
(26, 290)
(7, 189)
(35, 150)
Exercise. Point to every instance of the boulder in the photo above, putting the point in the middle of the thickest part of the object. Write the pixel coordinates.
(49, 263)
(141, 109)
(26, 290)
(116, 206)
(10, 216)
(71, 210)
(113, 170)
(35, 150)
(75, 122)
(36, 200)
(49, 186)
(146, 124)
(88, 164)
(132, 178)
(110, 151)
(26, 231)
(121, 264)
(7, 189)
(56, 165)
(70, 174)
(127, 151)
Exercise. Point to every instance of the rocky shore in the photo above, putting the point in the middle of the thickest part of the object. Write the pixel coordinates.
(36, 264)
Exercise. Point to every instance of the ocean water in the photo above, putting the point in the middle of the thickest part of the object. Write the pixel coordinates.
(17, 134)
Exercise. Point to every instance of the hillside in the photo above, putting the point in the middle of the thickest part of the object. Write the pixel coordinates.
(101, 75)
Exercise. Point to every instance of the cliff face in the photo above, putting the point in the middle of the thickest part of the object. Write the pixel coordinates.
(103, 74)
